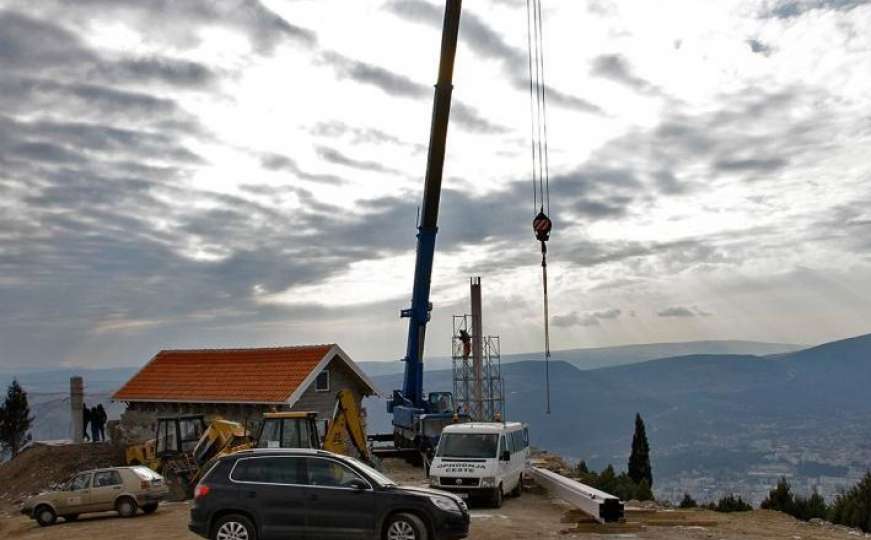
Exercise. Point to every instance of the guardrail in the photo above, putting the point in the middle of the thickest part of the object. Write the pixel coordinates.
(601, 506)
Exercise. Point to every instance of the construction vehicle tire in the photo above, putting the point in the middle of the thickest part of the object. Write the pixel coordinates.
(405, 526)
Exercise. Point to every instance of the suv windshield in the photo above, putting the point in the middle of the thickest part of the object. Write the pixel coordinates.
(378, 477)
(468, 445)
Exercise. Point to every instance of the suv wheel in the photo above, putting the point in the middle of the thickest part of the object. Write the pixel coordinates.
(405, 527)
(126, 507)
(45, 516)
(234, 527)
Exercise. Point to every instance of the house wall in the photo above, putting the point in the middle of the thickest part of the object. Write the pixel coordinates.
(137, 423)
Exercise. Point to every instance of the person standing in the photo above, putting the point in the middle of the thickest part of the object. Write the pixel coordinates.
(102, 418)
(95, 430)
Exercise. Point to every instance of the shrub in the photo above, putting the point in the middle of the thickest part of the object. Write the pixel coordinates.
(782, 499)
(731, 503)
(853, 508)
(687, 501)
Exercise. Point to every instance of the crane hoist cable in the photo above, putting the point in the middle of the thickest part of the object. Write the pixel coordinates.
(541, 223)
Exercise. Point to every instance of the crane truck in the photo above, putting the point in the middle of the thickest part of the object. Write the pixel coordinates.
(418, 419)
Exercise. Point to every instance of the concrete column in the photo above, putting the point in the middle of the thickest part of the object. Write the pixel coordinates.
(77, 398)
(477, 349)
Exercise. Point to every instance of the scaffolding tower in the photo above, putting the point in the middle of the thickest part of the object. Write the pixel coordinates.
(491, 404)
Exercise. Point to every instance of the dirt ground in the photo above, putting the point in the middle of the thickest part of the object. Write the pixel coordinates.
(530, 516)
(533, 515)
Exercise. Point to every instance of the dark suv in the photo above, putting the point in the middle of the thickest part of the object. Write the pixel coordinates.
(313, 494)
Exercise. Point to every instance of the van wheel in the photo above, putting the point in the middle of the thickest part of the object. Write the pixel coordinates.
(497, 497)
(126, 507)
(405, 527)
(45, 516)
(234, 527)
(518, 488)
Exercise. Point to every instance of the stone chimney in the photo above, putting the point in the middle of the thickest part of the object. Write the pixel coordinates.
(77, 398)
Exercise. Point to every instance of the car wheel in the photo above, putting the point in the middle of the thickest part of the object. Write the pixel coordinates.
(234, 527)
(45, 516)
(405, 527)
(497, 498)
(517, 489)
(149, 508)
(126, 507)
(70, 517)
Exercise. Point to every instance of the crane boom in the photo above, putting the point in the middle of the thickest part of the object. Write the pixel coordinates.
(412, 388)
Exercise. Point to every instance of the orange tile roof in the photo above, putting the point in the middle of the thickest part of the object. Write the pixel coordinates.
(223, 375)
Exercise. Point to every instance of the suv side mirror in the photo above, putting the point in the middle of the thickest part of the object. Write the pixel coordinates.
(357, 485)
(506, 456)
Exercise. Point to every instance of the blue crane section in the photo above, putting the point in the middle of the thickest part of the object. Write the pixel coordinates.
(418, 419)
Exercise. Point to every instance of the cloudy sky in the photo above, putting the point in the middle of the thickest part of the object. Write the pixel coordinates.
(203, 174)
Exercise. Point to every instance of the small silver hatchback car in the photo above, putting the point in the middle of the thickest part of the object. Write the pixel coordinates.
(122, 489)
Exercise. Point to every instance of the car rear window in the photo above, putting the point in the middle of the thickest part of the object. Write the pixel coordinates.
(269, 470)
(146, 474)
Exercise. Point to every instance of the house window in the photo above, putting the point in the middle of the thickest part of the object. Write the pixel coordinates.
(322, 383)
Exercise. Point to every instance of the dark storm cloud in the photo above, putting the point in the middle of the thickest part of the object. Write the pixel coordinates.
(788, 9)
(489, 44)
(395, 84)
(682, 312)
(752, 165)
(758, 47)
(29, 45)
(336, 157)
(586, 319)
(180, 23)
(278, 162)
(676, 311)
(616, 68)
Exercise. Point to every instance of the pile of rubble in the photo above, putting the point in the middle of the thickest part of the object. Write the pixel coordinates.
(41, 467)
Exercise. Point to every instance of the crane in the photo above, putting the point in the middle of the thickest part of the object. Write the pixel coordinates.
(417, 419)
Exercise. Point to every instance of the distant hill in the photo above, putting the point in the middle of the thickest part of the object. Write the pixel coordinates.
(595, 358)
(706, 413)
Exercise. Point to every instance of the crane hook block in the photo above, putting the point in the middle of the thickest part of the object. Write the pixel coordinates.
(542, 226)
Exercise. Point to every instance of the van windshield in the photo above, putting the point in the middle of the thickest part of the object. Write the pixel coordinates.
(468, 445)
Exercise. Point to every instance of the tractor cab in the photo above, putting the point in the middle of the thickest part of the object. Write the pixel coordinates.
(178, 435)
(289, 430)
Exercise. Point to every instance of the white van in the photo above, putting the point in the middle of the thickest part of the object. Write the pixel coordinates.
(481, 458)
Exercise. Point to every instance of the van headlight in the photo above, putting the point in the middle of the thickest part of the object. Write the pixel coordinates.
(445, 503)
(488, 481)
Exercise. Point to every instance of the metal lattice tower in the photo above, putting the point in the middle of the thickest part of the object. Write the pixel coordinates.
(493, 388)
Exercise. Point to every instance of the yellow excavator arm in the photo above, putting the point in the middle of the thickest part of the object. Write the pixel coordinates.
(346, 425)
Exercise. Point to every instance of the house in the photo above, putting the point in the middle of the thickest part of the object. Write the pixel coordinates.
(239, 384)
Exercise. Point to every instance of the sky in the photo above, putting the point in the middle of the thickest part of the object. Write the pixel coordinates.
(231, 174)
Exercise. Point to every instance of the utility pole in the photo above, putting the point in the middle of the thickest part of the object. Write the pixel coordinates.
(477, 349)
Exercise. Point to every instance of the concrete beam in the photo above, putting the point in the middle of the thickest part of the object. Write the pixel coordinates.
(601, 506)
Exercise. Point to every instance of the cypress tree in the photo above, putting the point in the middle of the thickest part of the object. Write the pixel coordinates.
(15, 418)
(639, 460)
